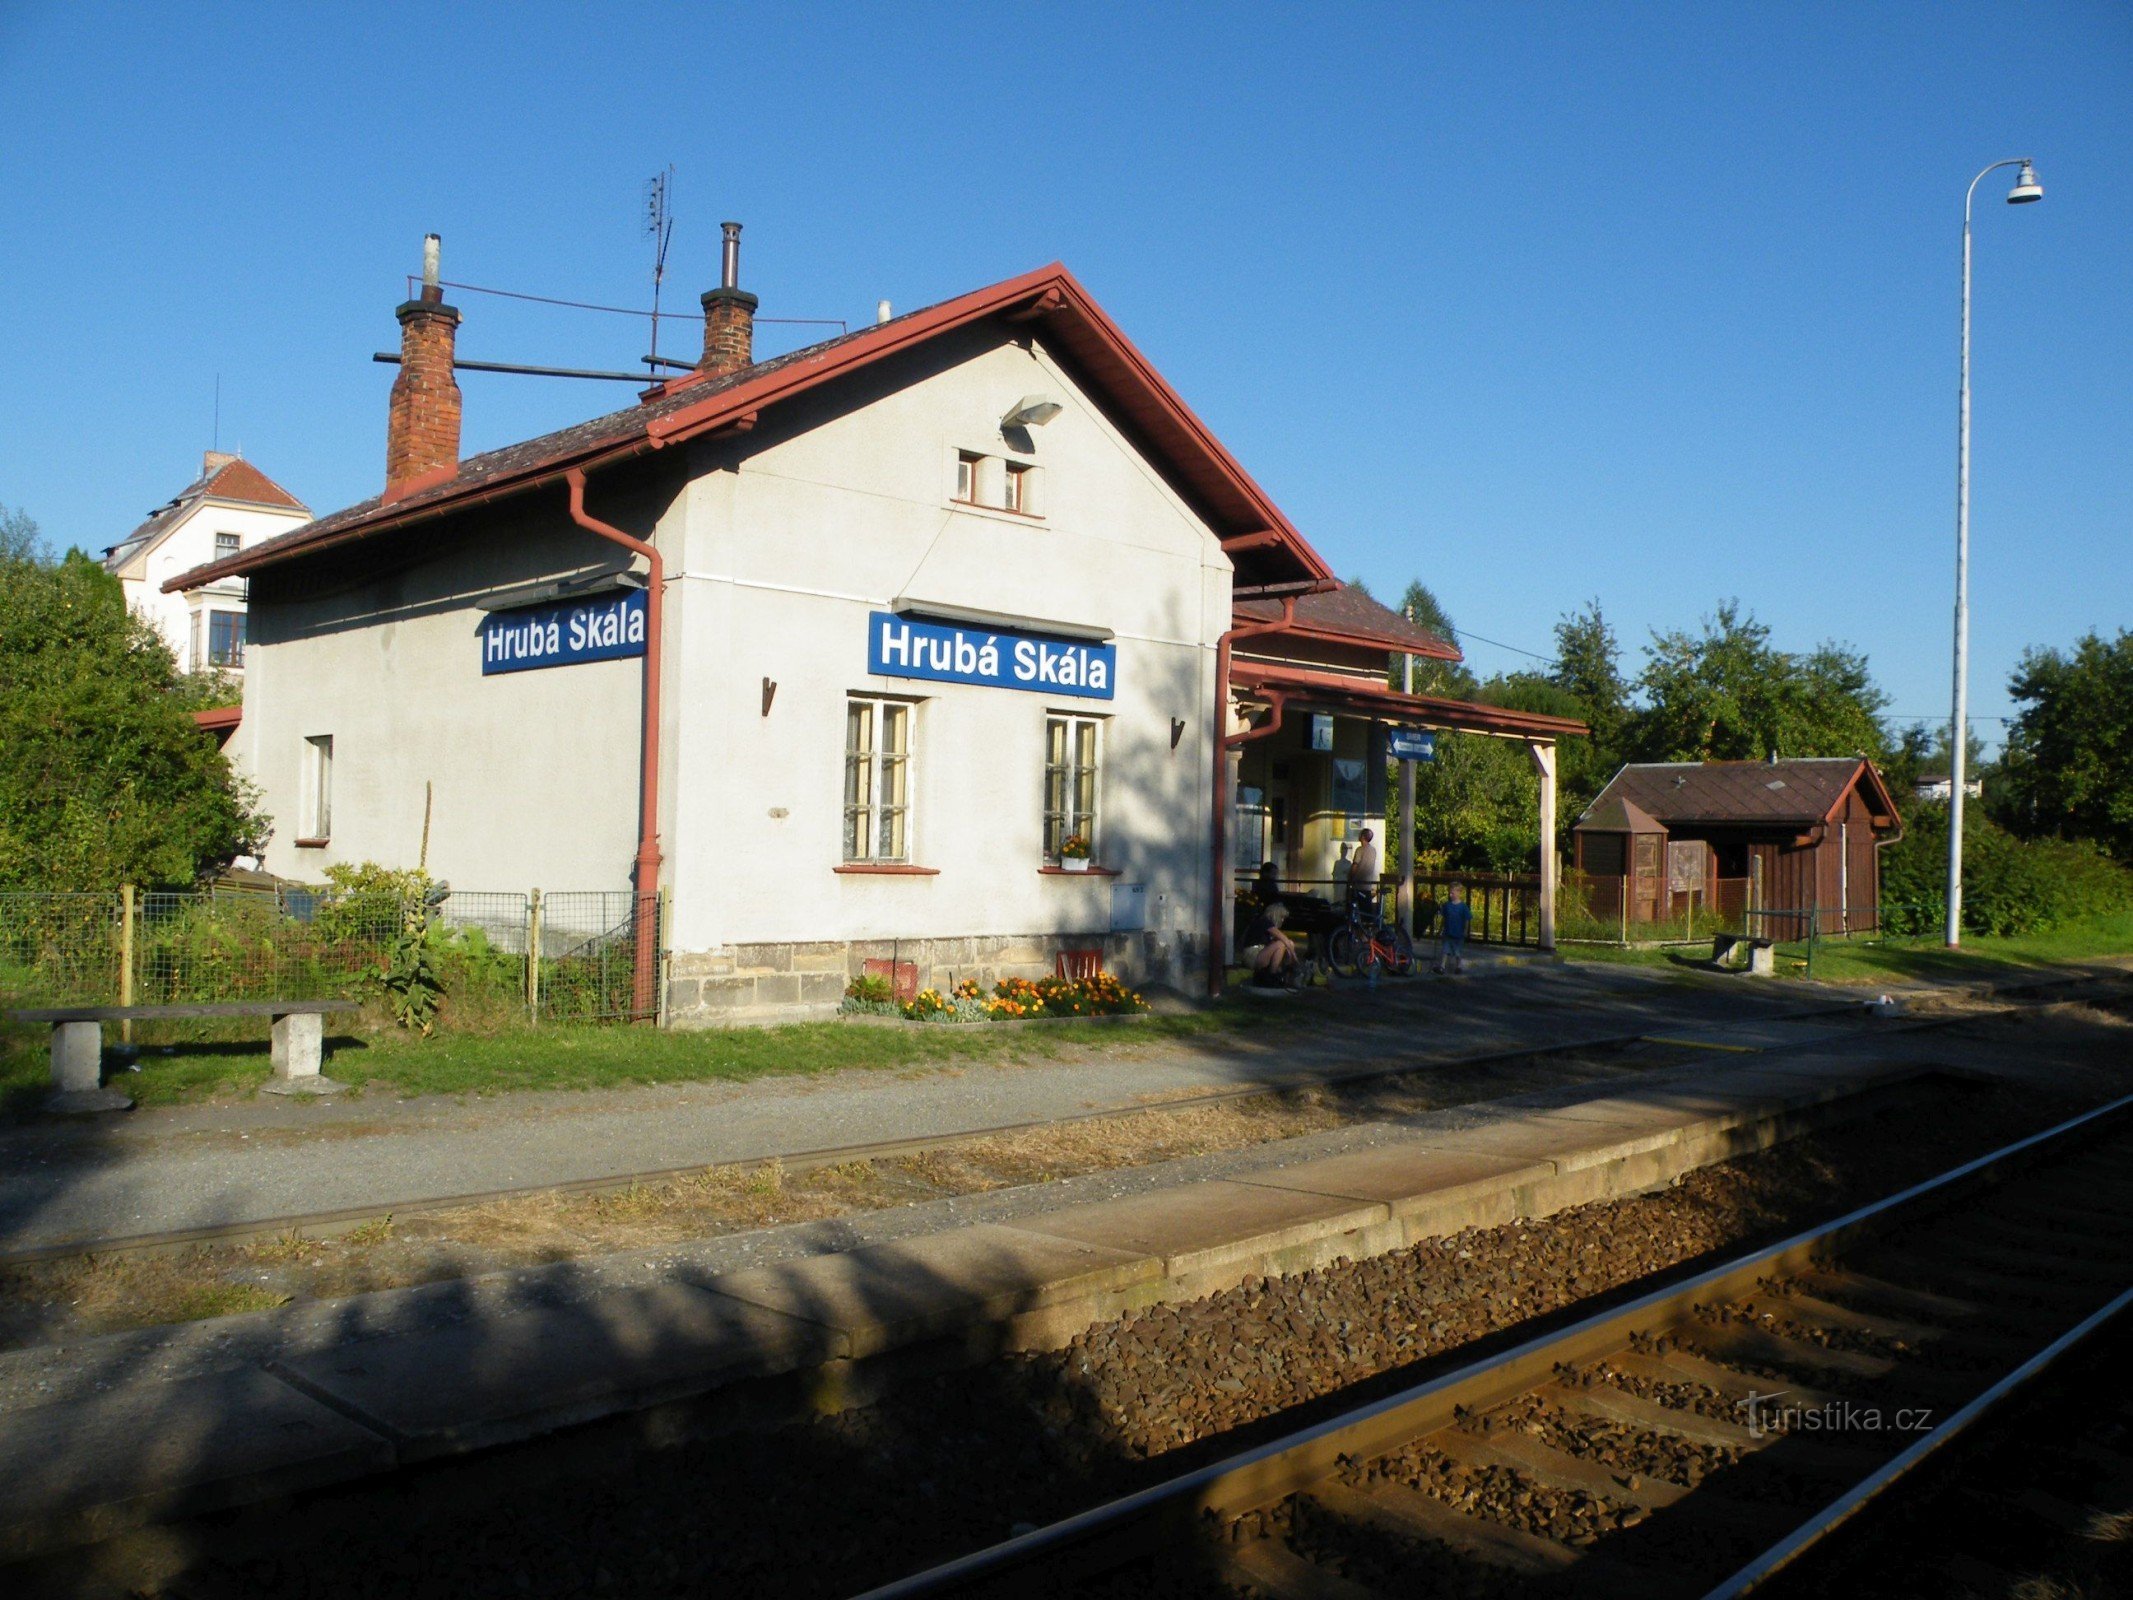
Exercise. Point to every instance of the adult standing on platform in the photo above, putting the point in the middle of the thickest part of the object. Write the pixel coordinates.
(1363, 871)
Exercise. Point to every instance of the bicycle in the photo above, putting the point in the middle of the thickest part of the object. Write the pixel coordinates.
(1366, 941)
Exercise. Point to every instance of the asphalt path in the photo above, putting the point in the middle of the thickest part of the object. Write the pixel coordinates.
(256, 1160)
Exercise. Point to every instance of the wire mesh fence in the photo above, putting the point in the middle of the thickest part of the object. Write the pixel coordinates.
(503, 956)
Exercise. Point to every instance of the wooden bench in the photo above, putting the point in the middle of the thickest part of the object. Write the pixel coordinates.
(78, 1045)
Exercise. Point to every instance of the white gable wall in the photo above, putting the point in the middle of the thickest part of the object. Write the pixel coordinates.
(191, 543)
(789, 550)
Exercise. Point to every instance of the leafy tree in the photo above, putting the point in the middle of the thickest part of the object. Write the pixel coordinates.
(1588, 667)
(104, 776)
(18, 536)
(2068, 770)
(1477, 806)
(1727, 694)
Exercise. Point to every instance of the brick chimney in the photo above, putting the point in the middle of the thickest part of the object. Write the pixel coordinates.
(213, 461)
(422, 426)
(729, 314)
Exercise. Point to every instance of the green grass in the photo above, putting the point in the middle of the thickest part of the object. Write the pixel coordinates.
(1865, 959)
(565, 1056)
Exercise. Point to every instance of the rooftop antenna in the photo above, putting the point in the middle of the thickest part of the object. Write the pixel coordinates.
(659, 228)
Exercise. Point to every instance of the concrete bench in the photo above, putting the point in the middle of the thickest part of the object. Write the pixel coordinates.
(78, 1045)
(1745, 952)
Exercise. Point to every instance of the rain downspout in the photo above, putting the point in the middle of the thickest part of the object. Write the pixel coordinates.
(646, 985)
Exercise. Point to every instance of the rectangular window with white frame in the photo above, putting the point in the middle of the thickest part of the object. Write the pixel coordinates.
(225, 638)
(226, 545)
(877, 780)
(317, 798)
(1072, 755)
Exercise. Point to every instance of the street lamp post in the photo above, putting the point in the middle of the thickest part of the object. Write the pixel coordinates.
(2025, 190)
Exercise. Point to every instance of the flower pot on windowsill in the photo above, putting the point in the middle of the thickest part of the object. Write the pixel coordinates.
(1073, 863)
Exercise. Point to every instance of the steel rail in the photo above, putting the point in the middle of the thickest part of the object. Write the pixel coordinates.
(1137, 1524)
(1840, 1511)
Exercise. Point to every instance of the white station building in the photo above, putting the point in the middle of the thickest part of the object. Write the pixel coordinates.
(839, 654)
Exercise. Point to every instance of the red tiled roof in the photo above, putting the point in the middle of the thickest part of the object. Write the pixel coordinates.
(1335, 693)
(1795, 793)
(219, 719)
(234, 479)
(1347, 612)
(694, 406)
(240, 480)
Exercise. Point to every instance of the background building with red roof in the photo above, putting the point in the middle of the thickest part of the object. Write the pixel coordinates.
(229, 508)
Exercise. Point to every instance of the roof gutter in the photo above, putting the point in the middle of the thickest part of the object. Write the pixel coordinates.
(644, 918)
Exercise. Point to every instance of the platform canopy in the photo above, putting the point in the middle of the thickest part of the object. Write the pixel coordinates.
(1329, 691)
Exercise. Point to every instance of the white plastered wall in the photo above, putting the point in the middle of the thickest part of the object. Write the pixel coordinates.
(533, 775)
(793, 539)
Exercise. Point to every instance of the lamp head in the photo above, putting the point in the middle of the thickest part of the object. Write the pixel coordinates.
(2026, 187)
(1032, 411)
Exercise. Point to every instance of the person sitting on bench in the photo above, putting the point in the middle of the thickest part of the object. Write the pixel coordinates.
(1270, 953)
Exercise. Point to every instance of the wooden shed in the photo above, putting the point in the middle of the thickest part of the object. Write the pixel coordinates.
(1767, 843)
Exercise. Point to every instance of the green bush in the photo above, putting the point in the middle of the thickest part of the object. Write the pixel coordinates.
(2010, 885)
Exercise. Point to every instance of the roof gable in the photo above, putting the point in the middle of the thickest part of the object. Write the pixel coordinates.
(1793, 793)
(1269, 551)
(232, 479)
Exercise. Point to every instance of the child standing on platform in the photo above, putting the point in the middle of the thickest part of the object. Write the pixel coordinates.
(1456, 917)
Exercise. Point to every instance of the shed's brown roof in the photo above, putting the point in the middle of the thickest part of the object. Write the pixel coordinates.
(1798, 792)
(1347, 612)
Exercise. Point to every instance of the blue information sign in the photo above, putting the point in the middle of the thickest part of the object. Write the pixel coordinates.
(1411, 744)
(602, 627)
(905, 647)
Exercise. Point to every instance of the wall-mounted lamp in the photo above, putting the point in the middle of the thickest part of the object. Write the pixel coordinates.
(1177, 731)
(770, 693)
(1032, 411)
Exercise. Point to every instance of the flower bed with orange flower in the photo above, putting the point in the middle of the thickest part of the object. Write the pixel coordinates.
(1022, 999)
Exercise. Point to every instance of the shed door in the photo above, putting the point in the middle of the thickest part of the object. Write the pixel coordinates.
(1648, 876)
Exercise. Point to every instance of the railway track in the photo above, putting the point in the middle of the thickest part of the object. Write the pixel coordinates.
(1696, 1440)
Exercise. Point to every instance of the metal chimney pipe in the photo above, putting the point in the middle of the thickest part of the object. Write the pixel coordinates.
(729, 262)
(430, 287)
(882, 312)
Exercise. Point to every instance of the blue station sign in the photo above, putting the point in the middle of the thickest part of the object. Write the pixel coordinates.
(905, 647)
(1411, 744)
(601, 627)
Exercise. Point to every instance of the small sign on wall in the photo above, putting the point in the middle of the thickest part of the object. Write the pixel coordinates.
(1321, 731)
(1684, 866)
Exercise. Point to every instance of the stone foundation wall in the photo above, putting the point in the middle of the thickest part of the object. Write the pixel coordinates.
(746, 983)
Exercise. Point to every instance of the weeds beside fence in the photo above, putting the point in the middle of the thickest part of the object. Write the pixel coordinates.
(508, 956)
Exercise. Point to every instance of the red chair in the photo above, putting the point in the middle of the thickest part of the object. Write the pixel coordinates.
(1078, 964)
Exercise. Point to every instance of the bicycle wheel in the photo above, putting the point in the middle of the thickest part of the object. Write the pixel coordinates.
(1399, 951)
(1344, 953)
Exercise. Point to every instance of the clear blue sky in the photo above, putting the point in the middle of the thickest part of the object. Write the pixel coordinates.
(1654, 304)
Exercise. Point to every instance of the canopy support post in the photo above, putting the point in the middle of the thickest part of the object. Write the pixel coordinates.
(1543, 753)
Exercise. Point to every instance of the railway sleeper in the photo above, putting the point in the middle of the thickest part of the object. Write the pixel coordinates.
(1876, 1296)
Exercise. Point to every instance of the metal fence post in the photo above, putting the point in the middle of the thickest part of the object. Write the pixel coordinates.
(126, 959)
(533, 956)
